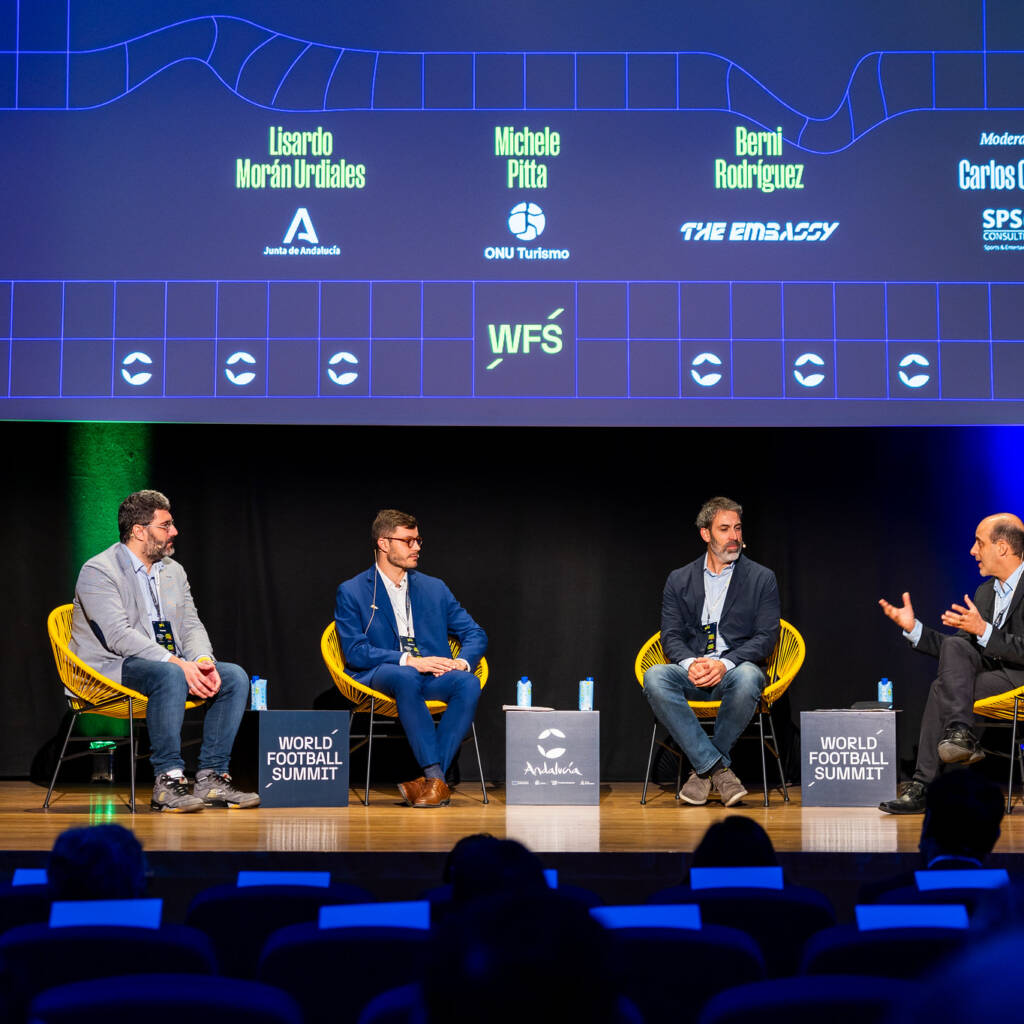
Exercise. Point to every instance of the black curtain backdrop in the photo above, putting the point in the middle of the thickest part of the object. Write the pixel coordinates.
(557, 541)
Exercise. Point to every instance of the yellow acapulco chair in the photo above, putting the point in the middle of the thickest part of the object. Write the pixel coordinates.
(89, 693)
(1006, 709)
(365, 699)
(783, 666)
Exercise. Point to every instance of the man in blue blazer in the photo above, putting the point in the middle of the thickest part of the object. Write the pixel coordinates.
(719, 625)
(393, 623)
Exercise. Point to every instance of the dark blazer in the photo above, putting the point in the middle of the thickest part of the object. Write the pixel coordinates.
(369, 638)
(1005, 648)
(750, 615)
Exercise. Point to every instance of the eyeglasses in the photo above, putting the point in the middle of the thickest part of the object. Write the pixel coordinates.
(165, 526)
(413, 542)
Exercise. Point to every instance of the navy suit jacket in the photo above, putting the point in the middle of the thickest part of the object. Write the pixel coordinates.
(750, 616)
(1005, 648)
(369, 638)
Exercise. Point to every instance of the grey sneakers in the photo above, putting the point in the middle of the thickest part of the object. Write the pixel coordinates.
(695, 790)
(214, 789)
(170, 793)
(729, 787)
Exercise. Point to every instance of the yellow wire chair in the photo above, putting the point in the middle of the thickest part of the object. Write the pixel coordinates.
(90, 693)
(783, 666)
(366, 699)
(1006, 709)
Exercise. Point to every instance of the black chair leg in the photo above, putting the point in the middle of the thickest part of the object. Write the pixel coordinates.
(650, 761)
(1014, 751)
(369, 754)
(479, 765)
(60, 759)
(131, 749)
(778, 758)
(764, 763)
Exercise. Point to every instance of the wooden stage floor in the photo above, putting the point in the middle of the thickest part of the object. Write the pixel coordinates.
(618, 825)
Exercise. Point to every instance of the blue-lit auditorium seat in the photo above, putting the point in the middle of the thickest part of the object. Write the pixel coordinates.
(239, 920)
(165, 999)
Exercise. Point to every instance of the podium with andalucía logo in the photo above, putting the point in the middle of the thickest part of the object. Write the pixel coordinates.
(552, 757)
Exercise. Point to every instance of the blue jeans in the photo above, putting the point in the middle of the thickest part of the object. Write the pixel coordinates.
(459, 690)
(668, 688)
(164, 684)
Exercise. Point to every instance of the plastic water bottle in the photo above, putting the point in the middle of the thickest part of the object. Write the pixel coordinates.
(885, 691)
(587, 694)
(524, 693)
(258, 693)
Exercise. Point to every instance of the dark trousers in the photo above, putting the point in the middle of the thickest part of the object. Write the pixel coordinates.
(965, 676)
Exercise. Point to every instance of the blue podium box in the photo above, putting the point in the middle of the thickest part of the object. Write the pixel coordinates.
(552, 757)
(303, 758)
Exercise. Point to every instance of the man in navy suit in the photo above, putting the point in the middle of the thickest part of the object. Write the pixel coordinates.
(393, 623)
(719, 625)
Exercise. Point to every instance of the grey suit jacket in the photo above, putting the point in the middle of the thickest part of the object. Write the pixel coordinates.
(110, 621)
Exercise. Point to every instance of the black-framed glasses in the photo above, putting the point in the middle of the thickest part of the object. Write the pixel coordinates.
(413, 542)
(165, 526)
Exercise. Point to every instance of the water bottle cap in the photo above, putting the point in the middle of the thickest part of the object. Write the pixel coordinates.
(524, 679)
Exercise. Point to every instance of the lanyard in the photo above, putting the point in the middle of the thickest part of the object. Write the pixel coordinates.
(154, 593)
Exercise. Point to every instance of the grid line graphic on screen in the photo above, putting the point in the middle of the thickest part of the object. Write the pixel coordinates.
(701, 217)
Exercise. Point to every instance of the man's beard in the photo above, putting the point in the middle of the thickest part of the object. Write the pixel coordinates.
(723, 554)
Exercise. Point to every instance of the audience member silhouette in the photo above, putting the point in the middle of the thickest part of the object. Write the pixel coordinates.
(734, 842)
(961, 825)
(100, 862)
(529, 954)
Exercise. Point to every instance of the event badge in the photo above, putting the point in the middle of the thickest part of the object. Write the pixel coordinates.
(164, 635)
(408, 645)
(711, 633)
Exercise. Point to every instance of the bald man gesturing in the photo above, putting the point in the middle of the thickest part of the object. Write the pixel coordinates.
(984, 657)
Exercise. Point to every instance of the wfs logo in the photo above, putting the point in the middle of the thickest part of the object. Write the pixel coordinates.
(516, 339)
(308, 232)
(554, 751)
(526, 221)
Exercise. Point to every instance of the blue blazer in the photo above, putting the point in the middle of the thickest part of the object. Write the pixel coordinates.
(436, 615)
(750, 615)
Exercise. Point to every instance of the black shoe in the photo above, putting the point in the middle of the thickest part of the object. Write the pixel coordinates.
(960, 746)
(910, 801)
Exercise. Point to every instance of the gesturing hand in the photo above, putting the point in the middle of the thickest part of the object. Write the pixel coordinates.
(903, 616)
(968, 619)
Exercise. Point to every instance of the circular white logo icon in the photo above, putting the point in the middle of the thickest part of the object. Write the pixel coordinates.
(919, 379)
(346, 377)
(526, 221)
(808, 380)
(143, 376)
(239, 379)
(554, 752)
(705, 380)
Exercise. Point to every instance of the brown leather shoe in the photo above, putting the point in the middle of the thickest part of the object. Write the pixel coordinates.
(434, 793)
(411, 790)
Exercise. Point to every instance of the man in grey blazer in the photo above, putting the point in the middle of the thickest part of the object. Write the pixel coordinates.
(135, 622)
(984, 657)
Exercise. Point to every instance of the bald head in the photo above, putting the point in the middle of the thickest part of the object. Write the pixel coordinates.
(999, 545)
(1008, 527)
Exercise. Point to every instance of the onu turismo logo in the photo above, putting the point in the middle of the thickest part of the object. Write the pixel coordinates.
(526, 221)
